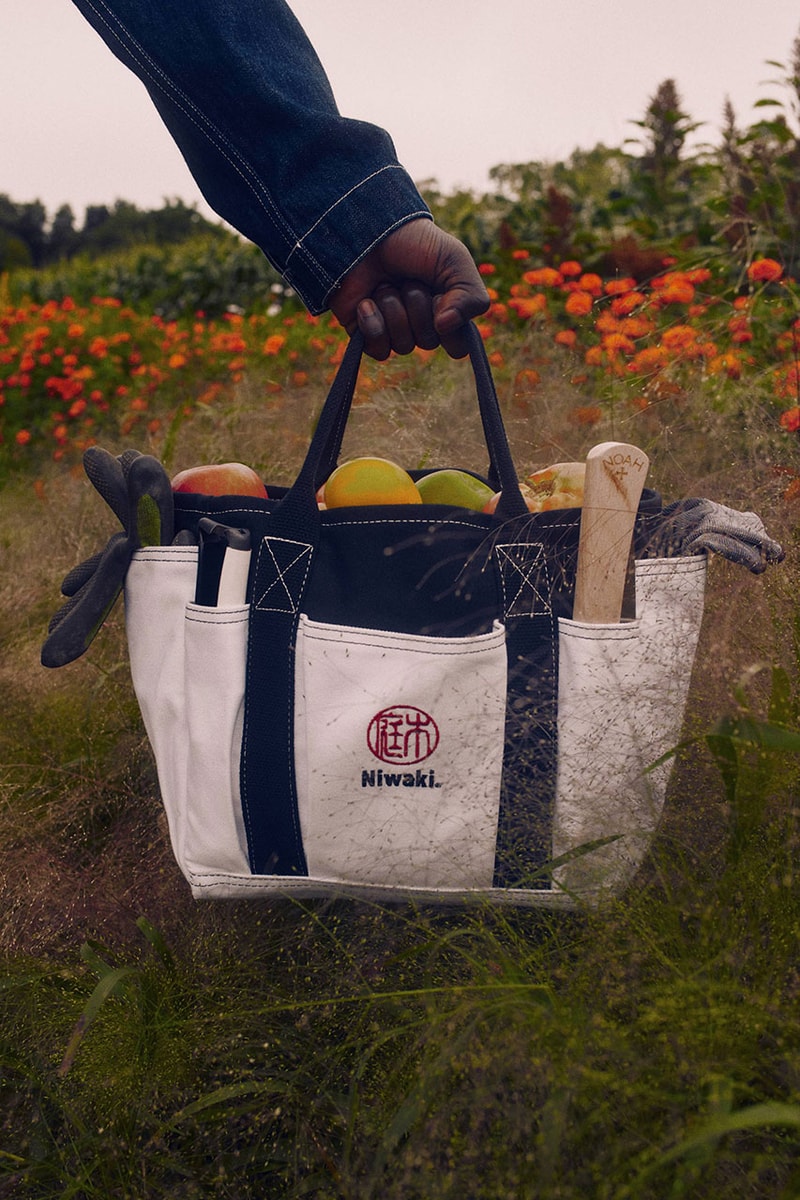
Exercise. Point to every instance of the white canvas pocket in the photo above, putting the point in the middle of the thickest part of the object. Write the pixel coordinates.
(188, 671)
(622, 691)
(215, 658)
(159, 584)
(398, 753)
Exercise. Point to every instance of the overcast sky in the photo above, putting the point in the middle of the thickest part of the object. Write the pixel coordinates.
(461, 85)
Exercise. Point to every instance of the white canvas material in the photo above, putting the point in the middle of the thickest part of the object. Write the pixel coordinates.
(622, 691)
(399, 754)
(621, 696)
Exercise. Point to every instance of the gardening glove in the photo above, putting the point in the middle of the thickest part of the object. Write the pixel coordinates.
(137, 489)
(694, 526)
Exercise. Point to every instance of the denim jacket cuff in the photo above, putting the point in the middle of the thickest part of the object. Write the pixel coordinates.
(348, 230)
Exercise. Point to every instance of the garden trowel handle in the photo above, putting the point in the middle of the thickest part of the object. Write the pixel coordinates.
(615, 476)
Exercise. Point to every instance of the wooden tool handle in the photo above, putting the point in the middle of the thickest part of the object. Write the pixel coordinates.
(615, 476)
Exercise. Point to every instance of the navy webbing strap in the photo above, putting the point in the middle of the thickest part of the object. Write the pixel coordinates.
(284, 557)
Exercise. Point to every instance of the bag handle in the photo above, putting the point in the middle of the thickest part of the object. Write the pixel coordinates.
(299, 505)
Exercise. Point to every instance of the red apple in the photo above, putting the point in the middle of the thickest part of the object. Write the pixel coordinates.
(220, 479)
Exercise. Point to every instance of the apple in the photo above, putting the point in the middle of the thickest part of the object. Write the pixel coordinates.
(220, 479)
(454, 487)
(369, 480)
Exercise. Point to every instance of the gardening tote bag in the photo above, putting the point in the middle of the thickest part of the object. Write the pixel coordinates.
(403, 708)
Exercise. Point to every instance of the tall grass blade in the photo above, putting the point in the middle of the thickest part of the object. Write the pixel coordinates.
(103, 990)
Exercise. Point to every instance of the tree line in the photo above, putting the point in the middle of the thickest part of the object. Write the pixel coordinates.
(28, 238)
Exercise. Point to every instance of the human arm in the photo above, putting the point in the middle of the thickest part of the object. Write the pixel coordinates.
(246, 99)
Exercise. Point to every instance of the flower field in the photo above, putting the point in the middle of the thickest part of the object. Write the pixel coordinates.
(73, 374)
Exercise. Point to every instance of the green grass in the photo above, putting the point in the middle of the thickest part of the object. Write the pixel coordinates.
(154, 1047)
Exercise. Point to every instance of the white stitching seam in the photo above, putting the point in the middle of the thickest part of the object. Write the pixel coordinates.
(303, 550)
(505, 559)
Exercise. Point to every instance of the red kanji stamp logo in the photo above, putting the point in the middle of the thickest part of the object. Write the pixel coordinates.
(402, 734)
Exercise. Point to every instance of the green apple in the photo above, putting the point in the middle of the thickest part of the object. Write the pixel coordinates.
(454, 487)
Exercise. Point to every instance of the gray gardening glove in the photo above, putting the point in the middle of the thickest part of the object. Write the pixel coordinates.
(137, 489)
(693, 526)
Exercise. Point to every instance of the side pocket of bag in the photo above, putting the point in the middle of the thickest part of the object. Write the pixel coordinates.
(398, 750)
(214, 674)
(622, 693)
(158, 586)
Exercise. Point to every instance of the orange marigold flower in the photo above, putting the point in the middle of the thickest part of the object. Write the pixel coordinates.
(652, 358)
(487, 268)
(176, 361)
(77, 407)
(698, 275)
(526, 380)
(616, 343)
(592, 284)
(274, 343)
(578, 304)
(678, 337)
(636, 327)
(623, 305)
(528, 306)
(520, 255)
(543, 277)
(566, 337)
(618, 287)
(726, 364)
(496, 358)
(790, 420)
(570, 267)
(764, 270)
(607, 323)
(593, 357)
(678, 292)
(588, 414)
(22, 437)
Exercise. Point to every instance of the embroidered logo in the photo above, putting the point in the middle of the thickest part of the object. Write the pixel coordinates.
(402, 735)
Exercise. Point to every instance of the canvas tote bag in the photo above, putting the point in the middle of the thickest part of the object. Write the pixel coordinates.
(404, 708)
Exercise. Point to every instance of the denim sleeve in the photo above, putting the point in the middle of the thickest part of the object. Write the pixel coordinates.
(245, 97)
